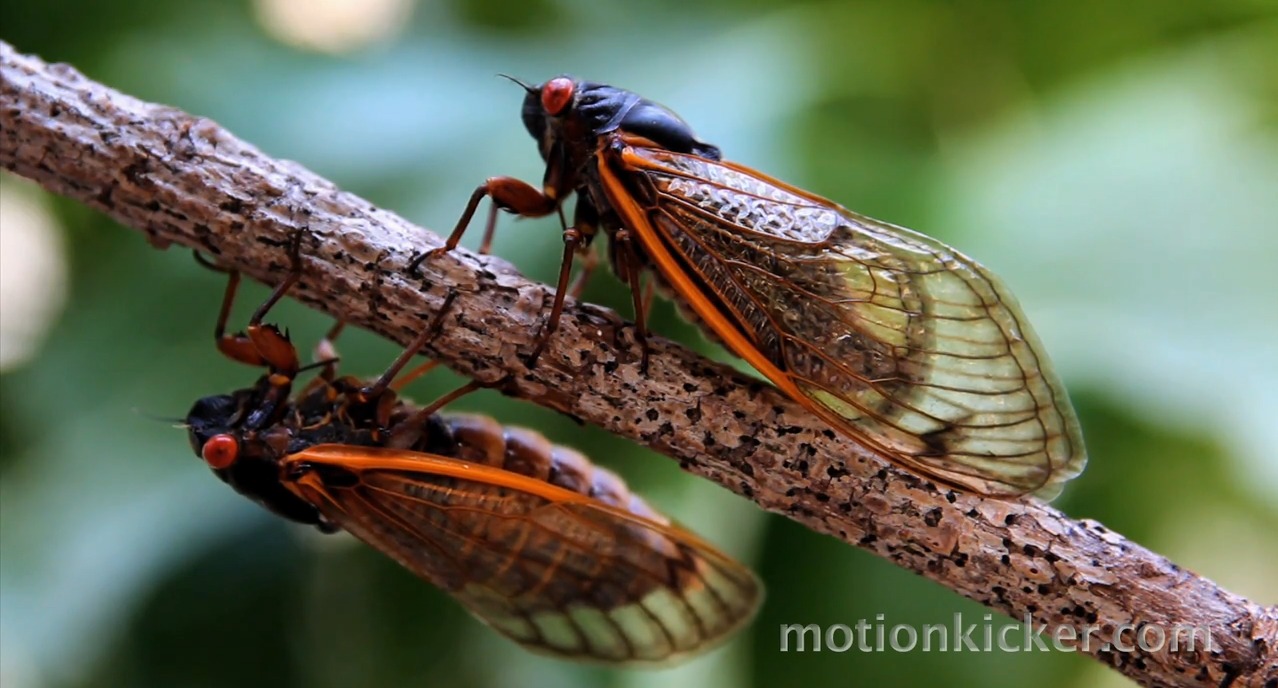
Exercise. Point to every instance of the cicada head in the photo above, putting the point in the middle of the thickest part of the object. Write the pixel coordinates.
(245, 457)
(567, 117)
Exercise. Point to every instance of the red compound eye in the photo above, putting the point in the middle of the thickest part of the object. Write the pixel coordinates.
(556, 94)
(220, 451)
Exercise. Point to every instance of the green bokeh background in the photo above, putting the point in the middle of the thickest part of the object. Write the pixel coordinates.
(1117, 163)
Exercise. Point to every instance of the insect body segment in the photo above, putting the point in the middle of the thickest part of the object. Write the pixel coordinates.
(550, 550)
(899, 341)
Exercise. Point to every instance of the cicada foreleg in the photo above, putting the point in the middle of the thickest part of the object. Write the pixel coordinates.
(259, 345)
(525, 200)
(507, 193)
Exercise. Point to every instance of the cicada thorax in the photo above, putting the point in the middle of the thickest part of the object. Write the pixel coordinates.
(329, 412)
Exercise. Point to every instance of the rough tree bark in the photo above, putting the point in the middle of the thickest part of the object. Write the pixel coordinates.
(182, 179)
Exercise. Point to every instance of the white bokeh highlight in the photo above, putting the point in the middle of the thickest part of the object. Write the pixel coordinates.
(33, 273)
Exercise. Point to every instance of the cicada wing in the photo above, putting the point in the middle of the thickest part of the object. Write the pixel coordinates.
(894, 337)
(554, 570)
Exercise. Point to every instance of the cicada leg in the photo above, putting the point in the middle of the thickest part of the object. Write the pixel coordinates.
(577, 241)
(649, 290)
(383, 382)
(406, 432)
(411, 376)
(325, 357)
(586, 220)
(524, 200)
(628, 263)
(573, 240)
(507, 193)
(325, 352)
(259, 345)
(589, 261)
(381, 391)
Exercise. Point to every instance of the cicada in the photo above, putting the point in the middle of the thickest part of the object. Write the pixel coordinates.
(536, 541)
(897, 340)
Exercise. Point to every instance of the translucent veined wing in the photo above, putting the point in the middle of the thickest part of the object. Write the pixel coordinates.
(557, 571)
(898, 339)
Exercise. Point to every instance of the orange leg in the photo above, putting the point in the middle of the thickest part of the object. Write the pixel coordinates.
(524, 200)
(272, 345)
(260, 345)
(507, 193)
(412, 375)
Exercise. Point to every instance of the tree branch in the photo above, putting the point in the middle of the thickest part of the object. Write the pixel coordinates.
(183, 179)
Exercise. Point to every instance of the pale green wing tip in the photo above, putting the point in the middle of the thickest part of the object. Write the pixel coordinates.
(1054, 486)
(1056, 483)
(1077, 461)
(654, 633)
(1072, 468)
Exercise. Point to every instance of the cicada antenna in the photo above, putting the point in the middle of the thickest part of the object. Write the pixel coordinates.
(526, 86)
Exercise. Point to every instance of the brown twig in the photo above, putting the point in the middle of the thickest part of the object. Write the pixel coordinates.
(182, 179)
